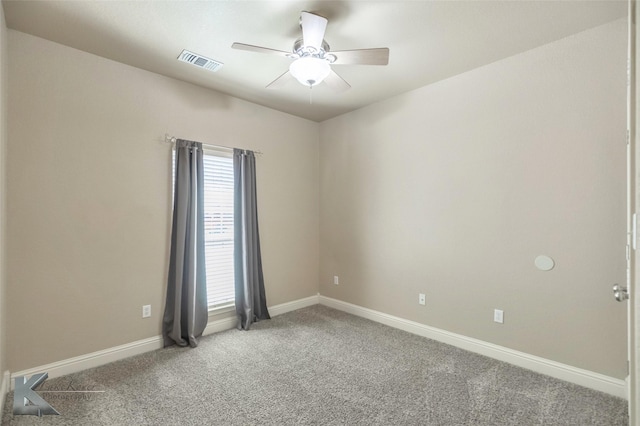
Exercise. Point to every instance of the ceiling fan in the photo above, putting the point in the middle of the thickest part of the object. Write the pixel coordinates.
(313, 59)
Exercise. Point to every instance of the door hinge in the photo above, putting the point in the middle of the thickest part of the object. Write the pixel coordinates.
(620, 293)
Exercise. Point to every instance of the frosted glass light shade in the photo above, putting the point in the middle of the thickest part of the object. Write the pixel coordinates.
(310, 71)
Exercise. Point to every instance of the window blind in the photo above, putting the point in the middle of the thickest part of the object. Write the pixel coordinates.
(218, 227)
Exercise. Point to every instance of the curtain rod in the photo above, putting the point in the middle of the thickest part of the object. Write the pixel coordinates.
(173, 139)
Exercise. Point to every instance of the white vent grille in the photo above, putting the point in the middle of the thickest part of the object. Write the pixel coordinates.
(200, 61)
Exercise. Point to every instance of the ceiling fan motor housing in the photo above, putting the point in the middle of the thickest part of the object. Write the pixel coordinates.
(301, 51)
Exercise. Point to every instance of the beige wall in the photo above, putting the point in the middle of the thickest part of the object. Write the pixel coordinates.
(3, 143)
(453, 189)
(89, 196)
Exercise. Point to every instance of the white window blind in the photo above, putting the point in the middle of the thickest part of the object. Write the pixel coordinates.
(218, 227)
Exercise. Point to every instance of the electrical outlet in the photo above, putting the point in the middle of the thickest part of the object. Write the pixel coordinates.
(422, 299)
(498, 316)
(336, 280)
(146, 311)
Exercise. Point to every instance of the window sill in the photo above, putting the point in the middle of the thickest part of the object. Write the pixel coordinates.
(222, 309)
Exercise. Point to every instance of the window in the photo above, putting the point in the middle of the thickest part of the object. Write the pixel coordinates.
(218, 227)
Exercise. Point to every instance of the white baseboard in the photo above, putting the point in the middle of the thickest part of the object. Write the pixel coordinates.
(217, 326)
(586, 378)
(93, 359)
(283, 308)
(231, 322)
(96, 359)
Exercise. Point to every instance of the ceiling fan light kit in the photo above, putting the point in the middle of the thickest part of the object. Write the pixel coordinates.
(310, 70)
(312, 60)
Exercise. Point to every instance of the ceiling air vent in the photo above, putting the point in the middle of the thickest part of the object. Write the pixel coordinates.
(200, 61)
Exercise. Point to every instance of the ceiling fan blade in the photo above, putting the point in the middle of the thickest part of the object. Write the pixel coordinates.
(335, 82)
(281, 81)
(379, 56)
(313, 28)
(251, 48)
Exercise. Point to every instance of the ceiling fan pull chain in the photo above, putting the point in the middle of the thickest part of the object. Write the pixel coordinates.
(310, 95)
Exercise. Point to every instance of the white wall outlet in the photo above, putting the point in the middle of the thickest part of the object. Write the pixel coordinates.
(498, 316)
(422, 299)
(146, 311)
(336, 280)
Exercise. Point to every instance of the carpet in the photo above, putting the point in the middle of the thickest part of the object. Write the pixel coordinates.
(318, 366)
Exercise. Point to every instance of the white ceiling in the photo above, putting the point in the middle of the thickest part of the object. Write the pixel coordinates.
(428, 40)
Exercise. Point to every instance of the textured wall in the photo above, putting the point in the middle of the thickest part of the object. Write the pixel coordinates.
(89, 196)
(453, 189)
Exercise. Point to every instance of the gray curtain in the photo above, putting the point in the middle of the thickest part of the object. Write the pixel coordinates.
(251, 303)
(185, 313)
